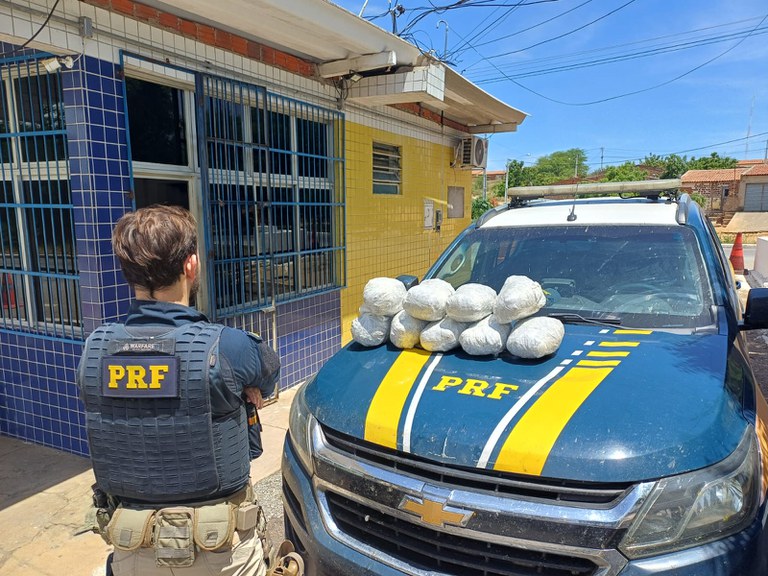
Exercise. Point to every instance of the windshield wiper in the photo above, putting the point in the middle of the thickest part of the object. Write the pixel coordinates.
(573, 318)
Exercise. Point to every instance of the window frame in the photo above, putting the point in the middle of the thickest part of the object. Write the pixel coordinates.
(393, 152)
(31, 311)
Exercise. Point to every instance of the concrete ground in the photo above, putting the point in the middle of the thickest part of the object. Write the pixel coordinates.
(44, 495)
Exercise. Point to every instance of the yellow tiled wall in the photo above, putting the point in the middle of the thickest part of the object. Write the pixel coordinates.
(385, 233)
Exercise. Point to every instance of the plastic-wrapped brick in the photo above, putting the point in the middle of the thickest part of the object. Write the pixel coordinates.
(442, 336)
(405, 331)
(384, 296)
(535, 337)
(487, 336)
(371, 329)
(471, 302)
(428, 300)
(520, 297)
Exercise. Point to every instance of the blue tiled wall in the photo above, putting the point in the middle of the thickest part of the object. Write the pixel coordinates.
(38, 396)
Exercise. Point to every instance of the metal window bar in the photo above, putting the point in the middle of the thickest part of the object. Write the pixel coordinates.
(39, 280)
(276, 204)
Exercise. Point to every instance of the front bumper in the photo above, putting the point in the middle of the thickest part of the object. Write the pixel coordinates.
(307, 519)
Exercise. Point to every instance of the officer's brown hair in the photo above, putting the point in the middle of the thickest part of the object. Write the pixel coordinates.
(153, 243)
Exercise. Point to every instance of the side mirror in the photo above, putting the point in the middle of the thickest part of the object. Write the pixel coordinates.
(408, 280)
(756, 314)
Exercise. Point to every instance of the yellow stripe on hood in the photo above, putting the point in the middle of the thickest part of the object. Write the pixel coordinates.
(527, 447)
(387, 406)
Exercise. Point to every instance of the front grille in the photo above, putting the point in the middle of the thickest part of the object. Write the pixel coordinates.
(428, 549)
(477, 479)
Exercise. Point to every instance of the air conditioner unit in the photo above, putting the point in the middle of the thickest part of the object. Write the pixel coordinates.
(472, 152)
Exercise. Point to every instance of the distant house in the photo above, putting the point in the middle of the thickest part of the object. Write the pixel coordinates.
(492, 178)
(730, 190)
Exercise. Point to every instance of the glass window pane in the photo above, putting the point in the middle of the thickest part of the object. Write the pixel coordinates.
(39, 108)
(49, 230)
(171, 192)
(156, 122)
(312, 140)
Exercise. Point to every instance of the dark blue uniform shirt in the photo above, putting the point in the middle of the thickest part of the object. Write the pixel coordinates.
(237, 348)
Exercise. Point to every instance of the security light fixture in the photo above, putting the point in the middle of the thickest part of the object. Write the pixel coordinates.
(53, 64)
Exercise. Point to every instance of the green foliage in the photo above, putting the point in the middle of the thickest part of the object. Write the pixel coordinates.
(699, 199)
(675, 165)
(499, 189)
(477, 185)
(558, 166)
(479, 207)
(627, 172)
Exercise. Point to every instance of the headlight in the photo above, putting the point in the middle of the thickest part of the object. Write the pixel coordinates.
(701, 506)
(298, 427)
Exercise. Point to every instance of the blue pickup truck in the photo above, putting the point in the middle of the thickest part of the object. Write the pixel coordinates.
(639, 447)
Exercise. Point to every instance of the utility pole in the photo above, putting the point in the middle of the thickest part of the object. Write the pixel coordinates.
(601, 158)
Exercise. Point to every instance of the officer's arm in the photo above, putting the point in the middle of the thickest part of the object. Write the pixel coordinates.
(253, 362)
(268, 367)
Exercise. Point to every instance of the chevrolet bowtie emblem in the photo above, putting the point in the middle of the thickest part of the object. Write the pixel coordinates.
(434, 512)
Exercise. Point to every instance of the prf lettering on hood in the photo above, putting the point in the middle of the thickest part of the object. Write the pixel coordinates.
(474, 387)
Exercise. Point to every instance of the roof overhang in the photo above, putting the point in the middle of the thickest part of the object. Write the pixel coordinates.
(344, 45)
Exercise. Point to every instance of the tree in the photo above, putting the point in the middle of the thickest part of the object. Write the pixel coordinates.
(627, 172)
(675, 165)
(558, 166)
(479, 207)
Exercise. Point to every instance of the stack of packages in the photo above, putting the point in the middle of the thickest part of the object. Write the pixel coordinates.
(438, 318)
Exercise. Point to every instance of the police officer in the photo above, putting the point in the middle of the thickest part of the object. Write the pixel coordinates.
(165, 395)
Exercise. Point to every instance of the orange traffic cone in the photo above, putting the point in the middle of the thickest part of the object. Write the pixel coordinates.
(737, 255)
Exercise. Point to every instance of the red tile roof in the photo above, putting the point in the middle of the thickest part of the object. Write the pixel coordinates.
(720, 175)
(758, 170)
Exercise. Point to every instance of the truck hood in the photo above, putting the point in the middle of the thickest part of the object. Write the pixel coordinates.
(610, 405)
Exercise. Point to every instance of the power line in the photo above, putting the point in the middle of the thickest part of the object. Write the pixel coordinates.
(608, 49)
(42, 26)
(564, 34)
(627, 57)
(634, 92)
(547, 21)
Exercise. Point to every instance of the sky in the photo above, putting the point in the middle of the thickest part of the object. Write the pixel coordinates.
(619, 79)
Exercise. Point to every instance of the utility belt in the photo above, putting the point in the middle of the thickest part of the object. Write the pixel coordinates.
(177, 532)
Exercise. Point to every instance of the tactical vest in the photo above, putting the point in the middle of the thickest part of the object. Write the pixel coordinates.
(148, 414)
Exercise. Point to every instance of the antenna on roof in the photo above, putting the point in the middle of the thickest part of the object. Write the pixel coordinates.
(572, 215)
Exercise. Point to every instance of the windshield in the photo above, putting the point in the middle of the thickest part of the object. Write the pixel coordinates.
(644, 276)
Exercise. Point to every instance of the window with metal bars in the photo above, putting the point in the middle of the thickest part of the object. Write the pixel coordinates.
(274, 182)
(386, 169)
(39, 281)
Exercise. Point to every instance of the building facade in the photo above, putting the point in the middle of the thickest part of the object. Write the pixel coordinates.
(304, 185)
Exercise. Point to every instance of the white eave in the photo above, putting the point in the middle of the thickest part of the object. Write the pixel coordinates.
(332, 37)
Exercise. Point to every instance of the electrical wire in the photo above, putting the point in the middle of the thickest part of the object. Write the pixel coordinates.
(678, 37)
(564, 34)
(632, 93)
(627, 57)
(547, 21)
(42, 26)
